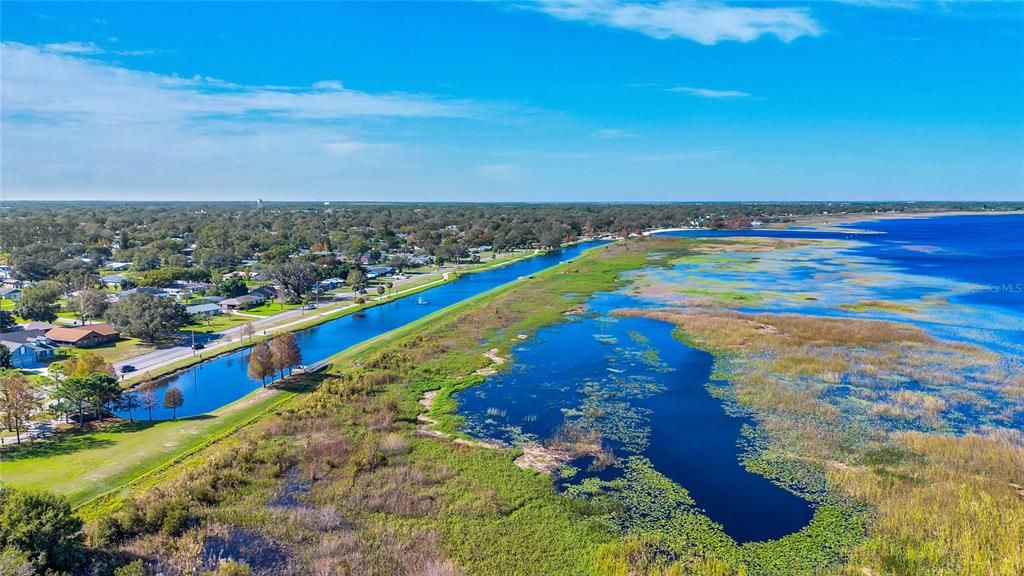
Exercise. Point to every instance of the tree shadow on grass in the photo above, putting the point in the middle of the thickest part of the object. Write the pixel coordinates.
(77, 440)
(63, 443)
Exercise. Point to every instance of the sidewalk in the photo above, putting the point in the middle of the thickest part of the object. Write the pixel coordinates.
(272, 324)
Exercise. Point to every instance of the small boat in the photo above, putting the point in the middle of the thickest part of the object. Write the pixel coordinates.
(420, 300)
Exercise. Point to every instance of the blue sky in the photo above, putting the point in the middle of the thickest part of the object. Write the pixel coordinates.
(574, 100)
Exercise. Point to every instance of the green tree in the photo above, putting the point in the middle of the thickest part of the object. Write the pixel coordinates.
(297, 277)
(232, 286)
(6, 321)
(74, 392)
(173, 399)
(14, 562)
(103, 392)
(399, 262)
(135, 568)
(6, 358)
(356, 278)
(39, 301)
(230, 568)
(148, 317)
(129, 401)
(41, 525)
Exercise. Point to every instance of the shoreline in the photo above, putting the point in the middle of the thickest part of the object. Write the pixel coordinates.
(824, 221)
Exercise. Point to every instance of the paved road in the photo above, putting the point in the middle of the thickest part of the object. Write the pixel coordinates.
(211, 342)
(219, 340)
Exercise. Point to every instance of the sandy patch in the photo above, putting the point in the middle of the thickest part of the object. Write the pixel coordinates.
(541, 459)
(534, 457)
(491, 354)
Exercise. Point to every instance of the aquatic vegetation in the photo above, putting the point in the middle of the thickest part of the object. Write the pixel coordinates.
(351, 471)
(883, 305)
(783, 368)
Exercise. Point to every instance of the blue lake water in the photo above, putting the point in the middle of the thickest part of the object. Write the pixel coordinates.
(601, 371)
(985, 250)
(213, 384)
(629, 378)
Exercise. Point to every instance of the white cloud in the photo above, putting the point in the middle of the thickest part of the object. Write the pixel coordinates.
(347, 148)
(498, 171)
(708, 92)
(134, 52)
(612, 133)
(678, 156)
(75, 125)
(328, 85)
(80, 48)
(702, 21)
(56, 85)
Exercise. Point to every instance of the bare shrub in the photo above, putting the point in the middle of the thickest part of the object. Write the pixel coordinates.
(394, 444)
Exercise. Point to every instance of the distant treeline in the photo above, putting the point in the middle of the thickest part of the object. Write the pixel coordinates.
(44, 240)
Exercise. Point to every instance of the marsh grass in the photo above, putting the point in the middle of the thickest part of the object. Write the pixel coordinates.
(942, 503)
(341, 481)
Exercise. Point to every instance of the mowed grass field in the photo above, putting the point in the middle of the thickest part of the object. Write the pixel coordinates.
(84, 465)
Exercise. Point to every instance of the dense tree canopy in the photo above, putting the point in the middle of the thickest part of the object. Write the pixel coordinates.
(39, 301)
(148, 317)
(42, 526)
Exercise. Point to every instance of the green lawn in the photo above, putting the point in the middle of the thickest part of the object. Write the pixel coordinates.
(218, 323)
(270, 308)
(123, 348)
(83, 465)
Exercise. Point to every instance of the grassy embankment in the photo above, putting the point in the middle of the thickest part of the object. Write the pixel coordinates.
(339, 478)
(350, 449)
(82, 465)
(68, 463)
(333, 312)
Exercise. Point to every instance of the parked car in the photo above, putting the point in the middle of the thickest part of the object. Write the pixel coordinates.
(198, 346)
(127, 368)
(309, 307)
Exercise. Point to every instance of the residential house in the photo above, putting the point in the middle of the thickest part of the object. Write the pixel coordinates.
(378, 271)
(10, 293)
(118, 266)
(265, 292)
(44, 326)
(330, 283)
(116, 281)
(209, 300)
(29, 348)
(84, 336)
(241, 302)
(192, 288)
(149, 290)
(13, 283)
(200, 311)
(6, 271)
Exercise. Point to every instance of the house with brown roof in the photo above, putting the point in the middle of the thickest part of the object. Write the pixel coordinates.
(242, 302)
(84, 336)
